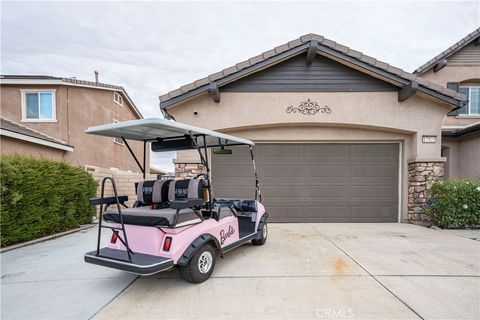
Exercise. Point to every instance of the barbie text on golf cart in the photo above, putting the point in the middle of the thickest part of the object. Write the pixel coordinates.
(174, 223)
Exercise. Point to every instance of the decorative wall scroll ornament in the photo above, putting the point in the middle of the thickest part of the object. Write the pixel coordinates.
(309, 108)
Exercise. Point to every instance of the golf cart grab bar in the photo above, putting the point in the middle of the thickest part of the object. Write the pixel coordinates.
(107, 201)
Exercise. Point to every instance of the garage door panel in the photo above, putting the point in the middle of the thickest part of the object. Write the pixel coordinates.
(316, 182)
(242, 192)
(316, 171)
(284, 213)
(234, 171)
(328, 192)
(335, 212)
(373, 171)
(374, 212)
(372, 192)
(282, 192)
(373, 151)
(281, 172)
(282, 151)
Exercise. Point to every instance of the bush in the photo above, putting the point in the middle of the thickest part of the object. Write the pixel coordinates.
(455, 203)
(41, 197)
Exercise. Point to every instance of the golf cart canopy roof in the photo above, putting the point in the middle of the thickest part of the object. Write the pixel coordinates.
(156, 129)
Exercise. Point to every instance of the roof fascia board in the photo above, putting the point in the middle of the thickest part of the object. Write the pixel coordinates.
(396, 80)
(237, 75)
(27, 138)
(32, 81)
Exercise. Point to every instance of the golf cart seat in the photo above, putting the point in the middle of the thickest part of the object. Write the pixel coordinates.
(159, 202)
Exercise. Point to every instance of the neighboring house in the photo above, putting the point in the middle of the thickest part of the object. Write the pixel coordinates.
(47, 116)
(458, 68)
(340, 136)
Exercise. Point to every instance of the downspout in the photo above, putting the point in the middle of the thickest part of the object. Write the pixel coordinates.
(165, 113)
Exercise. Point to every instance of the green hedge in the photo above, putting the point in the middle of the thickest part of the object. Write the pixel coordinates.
(455, 203)
(40, 197)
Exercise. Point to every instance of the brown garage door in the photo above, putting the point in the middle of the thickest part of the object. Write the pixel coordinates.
(315, 182)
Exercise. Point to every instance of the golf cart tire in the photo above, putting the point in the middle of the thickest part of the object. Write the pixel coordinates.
(191, 272)
(261, 236)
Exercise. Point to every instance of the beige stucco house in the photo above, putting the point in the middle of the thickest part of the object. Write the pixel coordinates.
(47, 116)
(458, 68)
(340, 136)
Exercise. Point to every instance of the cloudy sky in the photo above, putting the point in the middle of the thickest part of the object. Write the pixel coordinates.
(151, 48)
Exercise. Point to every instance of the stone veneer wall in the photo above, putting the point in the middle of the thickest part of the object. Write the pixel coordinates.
(188, 170)
(421, 176)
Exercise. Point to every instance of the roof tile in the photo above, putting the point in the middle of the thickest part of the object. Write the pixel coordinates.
(329, 43)
(342, 48)
(268, 54)
(256, 59)
(230, 70)
(369, 60)
(355, 54)
(294, 43)
(215, 76)
(306, 38)
(317, 37)
(243, 65)
(281, 48)
(202, 82)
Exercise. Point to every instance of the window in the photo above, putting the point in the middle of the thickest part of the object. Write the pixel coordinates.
(38, 105)
(117, 97)
(473, 100)
(117, 140)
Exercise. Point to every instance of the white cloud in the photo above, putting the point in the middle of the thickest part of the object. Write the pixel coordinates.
(153, 47)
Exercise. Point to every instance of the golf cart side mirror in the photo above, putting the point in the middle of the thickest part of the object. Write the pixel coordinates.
(222, 150)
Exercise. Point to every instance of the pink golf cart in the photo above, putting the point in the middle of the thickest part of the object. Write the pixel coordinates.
(174, 223)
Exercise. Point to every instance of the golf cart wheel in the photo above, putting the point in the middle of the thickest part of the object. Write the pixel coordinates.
(201, 266)
(262, 236)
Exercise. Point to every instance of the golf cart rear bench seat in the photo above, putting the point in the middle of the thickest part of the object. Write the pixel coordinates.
(158, 202)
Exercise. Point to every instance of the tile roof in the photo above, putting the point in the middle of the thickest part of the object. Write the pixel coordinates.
(302, 43)
(469, 38)
(18, 128)
(75, 82)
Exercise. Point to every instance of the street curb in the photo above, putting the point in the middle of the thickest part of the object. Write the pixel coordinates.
(53, 236)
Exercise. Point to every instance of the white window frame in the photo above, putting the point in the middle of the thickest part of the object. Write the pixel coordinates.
(115, 139)
(118, 98)
(24, 104)
(469, 98)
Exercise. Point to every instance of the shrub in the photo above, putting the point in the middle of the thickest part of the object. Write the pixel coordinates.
(455, 203)
(40, 197)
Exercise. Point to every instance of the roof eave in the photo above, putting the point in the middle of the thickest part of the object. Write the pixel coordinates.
(321, 49)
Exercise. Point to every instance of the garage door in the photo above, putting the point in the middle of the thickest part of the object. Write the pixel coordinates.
(315, 182)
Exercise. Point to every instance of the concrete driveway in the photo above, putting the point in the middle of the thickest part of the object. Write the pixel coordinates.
(49, 280)
(309, 271)
(323, 271)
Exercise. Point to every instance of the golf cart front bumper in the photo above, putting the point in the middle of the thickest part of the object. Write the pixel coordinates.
(142, 264)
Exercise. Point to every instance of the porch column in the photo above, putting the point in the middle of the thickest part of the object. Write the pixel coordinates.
(421, 175)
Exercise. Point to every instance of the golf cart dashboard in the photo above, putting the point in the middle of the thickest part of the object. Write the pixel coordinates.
(242, 207)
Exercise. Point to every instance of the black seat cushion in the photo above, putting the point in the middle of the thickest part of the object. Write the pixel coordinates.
(144, 216)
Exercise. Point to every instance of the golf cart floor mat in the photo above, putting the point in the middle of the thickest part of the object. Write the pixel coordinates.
(143, 264)
(144, 216)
